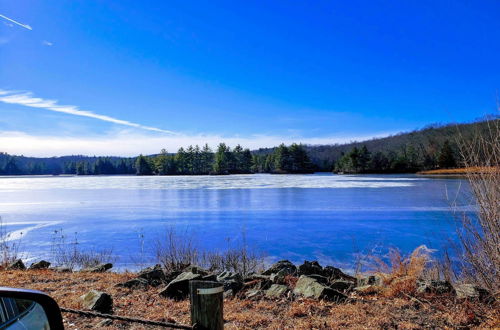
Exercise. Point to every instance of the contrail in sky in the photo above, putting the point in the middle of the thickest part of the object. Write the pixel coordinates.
(27, 99)
(26, 26)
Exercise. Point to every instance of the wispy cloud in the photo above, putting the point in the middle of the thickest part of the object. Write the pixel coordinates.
(47, 43)
(27, 99)
(26, 26)
(126, 143)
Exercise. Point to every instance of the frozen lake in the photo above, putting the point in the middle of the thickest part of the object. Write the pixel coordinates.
(326, 217)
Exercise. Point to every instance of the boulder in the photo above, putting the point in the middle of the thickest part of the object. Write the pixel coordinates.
(334, 274)
(196, 270)
(369, 280)
(279, 277)
(310, 288)
(472, 292)
(17, 265)
(310, 268)
(433, 286)
(283, 266)
(342, 286)
(254, 277)
(320, 278)
(228, 294)
(179, 287)
(230, 280)
(276, 290)
(97, 301)
(42, 264)
(209, 277)
(254, 293)
(154, 276)
(101, 268)
(134, 283)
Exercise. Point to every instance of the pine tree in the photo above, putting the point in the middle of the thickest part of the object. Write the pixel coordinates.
(446, 158)
(142, 166)
(222, 159)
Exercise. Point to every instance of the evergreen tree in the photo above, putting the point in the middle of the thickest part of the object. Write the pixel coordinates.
(142, 166)
(222, 159)
(207, 158)
(11, 167)
(282, 161)
(446, 158)
(181, 161)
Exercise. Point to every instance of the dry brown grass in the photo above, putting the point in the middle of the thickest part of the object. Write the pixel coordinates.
(479, 234)
(400, 274)
(9, 249)
(462, 170)
(373, 312)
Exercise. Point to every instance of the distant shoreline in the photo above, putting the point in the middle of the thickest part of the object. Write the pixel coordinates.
(460, 171)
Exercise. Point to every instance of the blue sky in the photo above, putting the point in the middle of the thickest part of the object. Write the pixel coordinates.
(129, 77)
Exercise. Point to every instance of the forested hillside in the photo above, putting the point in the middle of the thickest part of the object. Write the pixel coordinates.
(432, 147)
(429, 148)
(190, 161)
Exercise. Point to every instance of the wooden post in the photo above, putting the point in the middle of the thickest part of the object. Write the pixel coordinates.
(206, 305)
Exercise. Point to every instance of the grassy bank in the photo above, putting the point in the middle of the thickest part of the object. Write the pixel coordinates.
(461, 171)
(363, 312)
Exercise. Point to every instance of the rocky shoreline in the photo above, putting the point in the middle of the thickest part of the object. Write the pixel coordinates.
(282, 280)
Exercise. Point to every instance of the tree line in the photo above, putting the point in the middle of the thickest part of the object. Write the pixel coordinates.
(186, 161)
(429, 148)
(406, 160)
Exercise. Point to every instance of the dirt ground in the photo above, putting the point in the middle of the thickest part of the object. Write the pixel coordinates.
(370, 312)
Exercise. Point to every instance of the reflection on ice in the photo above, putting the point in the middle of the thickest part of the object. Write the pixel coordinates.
(258, 181)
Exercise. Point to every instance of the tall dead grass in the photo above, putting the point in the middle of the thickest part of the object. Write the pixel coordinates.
(479, 233)
(175, 252)
(9, 248)
(400, 273)
(70, 254)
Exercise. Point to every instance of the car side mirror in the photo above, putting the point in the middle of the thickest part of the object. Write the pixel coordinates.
(28, 309)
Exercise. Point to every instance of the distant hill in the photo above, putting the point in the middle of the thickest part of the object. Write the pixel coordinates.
(426, 143)
(431, 147)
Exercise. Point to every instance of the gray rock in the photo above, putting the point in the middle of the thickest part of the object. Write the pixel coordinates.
(228, 294)
(104, 323)
(253, 293)
(179, 287)
(436, 287)
(310, 288)
(276, 290)
(472, 292)
(254, 277)
(342, 286)
(209, 277)
(134, 283)
(42, 264)
(310, 268)
(17, 265)
(229, 276)
(196, 270)
(369, 280)
(97, 301)
(154, 276)
(230, 280)
(279, 277)
(320, 278)
(101, 268)
(284, 266)
(334, 274)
